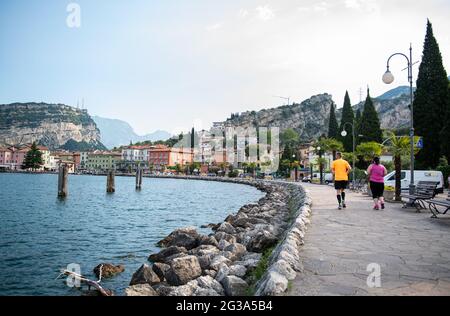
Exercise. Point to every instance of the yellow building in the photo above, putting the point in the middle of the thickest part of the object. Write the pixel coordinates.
(103, 160)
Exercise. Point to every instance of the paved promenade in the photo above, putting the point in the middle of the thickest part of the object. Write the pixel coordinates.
(412, 250)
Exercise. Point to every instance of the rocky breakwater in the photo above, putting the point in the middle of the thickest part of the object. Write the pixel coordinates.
(229, 260)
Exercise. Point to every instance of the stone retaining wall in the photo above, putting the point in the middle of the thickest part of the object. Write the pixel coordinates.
(222, 263)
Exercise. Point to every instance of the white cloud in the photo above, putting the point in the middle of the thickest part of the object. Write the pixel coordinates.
(265, 13)
(362, 5)
(214, 27)
(242, 13)
(321, 7)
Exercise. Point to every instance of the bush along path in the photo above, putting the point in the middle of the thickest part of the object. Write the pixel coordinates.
(253, 252)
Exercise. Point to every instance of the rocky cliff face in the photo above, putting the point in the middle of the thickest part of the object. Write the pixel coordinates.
(393, 113)
(309, 118)
(52, 125)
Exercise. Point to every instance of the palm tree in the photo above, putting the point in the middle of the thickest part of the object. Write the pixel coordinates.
(332, 145)
(399, 147)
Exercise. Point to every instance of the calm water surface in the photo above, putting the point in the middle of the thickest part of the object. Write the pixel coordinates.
(40, 234)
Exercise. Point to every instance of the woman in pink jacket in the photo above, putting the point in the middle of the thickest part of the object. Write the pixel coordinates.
(377, 172)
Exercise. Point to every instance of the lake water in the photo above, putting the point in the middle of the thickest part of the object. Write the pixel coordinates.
(40, 234)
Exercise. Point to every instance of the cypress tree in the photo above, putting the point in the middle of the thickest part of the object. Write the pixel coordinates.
(370, 126)
(431, 101)
(445, 135)
(348, 116)
(333, 127)
(33, 159)
(358, 123)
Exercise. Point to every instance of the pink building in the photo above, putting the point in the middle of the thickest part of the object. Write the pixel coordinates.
(12, 158)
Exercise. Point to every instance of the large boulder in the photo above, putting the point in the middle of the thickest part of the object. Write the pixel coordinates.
(272, 284)
(140, 290)
(223, 244)
(222, 235)
(204, 250)
(184, 290)
(144, 275)
(182, 270)
(226, 228)
(261, 241)
(184, 237)
(223, 272)
(208, 282)
(238, 250)
(234, 286)
(164, 254)
(238, 270)
(207, 240)
(108, 270)
(218, 261)
(161, 269)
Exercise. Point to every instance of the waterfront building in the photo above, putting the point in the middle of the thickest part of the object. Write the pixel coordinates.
(103, 160)
(135, 153)
(12, 158)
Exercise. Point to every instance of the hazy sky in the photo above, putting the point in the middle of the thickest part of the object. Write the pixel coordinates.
(166, 64)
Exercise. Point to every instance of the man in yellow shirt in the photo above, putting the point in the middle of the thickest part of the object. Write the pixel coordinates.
(341, 169)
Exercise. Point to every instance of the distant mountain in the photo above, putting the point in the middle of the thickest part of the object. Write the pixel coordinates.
(115, 133)
(309, 118)
(395, 93)
(52, 125)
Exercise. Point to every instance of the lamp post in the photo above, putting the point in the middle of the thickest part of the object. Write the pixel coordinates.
(388, 78)
(295, 168)
(344, 134)
(319, 150)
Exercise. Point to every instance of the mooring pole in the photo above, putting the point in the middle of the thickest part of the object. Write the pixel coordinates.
(63, 177)
(138, 178)
(110, 182)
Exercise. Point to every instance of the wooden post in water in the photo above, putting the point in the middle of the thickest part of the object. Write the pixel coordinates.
(138, 178)
(110, 182)
(63, 177)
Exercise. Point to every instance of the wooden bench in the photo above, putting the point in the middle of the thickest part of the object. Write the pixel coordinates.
(425, 190)
(435, 203)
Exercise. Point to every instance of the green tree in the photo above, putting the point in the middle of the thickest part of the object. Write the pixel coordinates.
(367, 151)
(445, 134)
(331, 145)
(33, 159)
(289, 140)
(431, 103)
(370, 126)
(358, 117)
(333, 127)
(399, 147)
(348, 118)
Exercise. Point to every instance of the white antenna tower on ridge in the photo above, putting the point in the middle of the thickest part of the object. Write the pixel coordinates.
(360, 94)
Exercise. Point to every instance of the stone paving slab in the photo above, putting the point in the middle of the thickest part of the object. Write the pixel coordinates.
(412, 249)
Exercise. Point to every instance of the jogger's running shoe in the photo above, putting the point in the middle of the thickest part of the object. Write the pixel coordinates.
(340, 207)
(344, 205)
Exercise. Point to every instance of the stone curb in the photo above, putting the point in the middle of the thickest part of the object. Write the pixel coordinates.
(285, 261)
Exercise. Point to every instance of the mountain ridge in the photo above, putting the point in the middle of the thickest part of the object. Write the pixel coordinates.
(49, 124)
(116, 132)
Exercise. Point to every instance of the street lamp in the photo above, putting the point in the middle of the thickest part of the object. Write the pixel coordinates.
(388, 78)
(344, 134)
(319, 150)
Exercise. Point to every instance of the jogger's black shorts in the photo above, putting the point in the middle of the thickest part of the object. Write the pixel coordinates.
(377, 189)
(340, 185)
